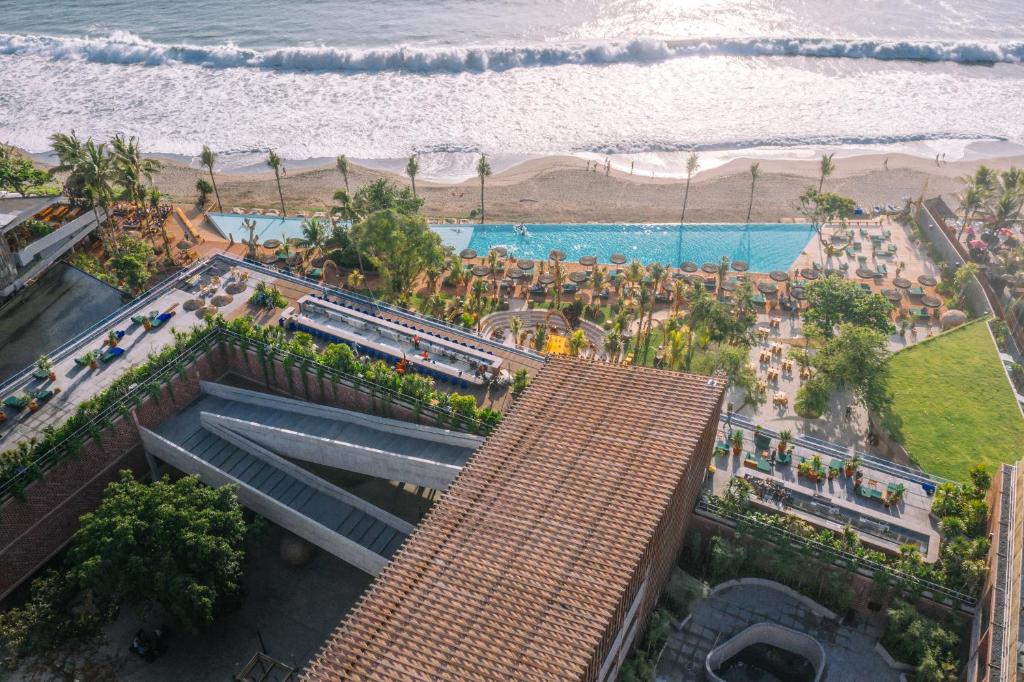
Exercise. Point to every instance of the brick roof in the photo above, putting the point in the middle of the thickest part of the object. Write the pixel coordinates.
(517, 571)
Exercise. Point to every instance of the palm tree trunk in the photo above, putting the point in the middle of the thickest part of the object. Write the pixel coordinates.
(413, 179)
(280, 194)
(686, 196)
(213, 181)
(750, 206)
(481, 201)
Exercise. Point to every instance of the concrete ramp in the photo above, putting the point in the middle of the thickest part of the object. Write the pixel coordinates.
(285, 493)
(343, 439)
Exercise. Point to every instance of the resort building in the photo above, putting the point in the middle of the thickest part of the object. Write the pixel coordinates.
(545, 556)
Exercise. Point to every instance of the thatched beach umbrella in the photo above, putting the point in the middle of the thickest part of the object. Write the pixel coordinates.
(467, 254)
(767, 287)
(894, 295)
(740, 265)
(710, 268)
(516, 273)
(271, 244)
(729, 285)
(902, 283)
(588, 261)
(931, 301)
(557, 255)
(810, 273)
(481, 270)
(579, 276)
(184, 245)
(927, 280)
(617, 259)
(546, 278)
(499, 251)
(193, 304)
(779, 276)
(688, 266)
(798, 293)
(526, 264)
(221, 300)
(235, 288)
(865, 273)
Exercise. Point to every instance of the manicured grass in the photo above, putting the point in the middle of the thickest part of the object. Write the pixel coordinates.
(956, 404)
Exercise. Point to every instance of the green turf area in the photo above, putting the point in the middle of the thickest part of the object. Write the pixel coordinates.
(956, 404)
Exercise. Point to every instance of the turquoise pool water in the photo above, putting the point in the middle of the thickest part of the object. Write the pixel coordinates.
(765, 247)
(267, 227)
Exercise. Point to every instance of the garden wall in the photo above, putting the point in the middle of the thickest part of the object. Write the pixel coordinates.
(863, 586)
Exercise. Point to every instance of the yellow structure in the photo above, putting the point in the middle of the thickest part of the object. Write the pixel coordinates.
(558, 344)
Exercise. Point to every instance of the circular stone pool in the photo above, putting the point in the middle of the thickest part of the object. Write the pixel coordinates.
(767, 652)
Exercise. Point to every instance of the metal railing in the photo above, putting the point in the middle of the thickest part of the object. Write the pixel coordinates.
(360, 299)
(44, 461)
(868, 567)
(826, 448)
(357, 381)
(52, 455)
(124, 311)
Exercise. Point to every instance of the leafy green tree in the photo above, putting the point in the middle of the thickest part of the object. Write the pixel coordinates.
(822, 208)
(18, 174)
(130, 262)
(205, 189)
(176, 545)
(314, 232)
(132, 170)
(833, 301)
(857, 359)
(381, 195)
(401, 245)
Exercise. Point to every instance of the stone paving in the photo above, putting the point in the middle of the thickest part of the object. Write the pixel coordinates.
(728, 610)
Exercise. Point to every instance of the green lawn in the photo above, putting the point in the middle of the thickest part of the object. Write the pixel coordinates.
(956, 403)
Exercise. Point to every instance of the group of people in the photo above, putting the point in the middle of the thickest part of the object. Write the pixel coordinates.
(149, 646)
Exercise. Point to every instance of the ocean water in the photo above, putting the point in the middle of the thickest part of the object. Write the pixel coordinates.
(381, 79)
(765, 247)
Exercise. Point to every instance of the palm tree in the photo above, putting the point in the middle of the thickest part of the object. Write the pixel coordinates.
(516, 326)
(132, 170)
(971, 201)
(675, 348)
(476, 296)
(678, 294)
(559, 275)
(540, 339)
(97, 177)
(613, 344)
(692, 164)
(70, 151)
(658, 274)
(1004, 209)
(275, 162)
(492, 267)
(207, 159)
(342, 164)
(597, 281)
(432, 273)
(827, 168)
(483, 171)
(723, 270)
(355, 280)
(154, 197)
(249, 225)
(577, 342)
(634, 273)
(314, 231)
(755, 173)
(411, 169)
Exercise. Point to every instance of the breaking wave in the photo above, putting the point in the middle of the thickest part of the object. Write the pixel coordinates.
(125, 48)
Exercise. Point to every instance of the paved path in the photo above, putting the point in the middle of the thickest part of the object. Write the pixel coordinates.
(849, 651)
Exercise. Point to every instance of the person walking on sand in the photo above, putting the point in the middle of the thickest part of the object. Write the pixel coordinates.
(631, 164)
(885, 164)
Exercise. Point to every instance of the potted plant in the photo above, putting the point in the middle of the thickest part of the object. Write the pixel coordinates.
(784, 437)
(897, 493)
(93, 359)
(852, 464)
(45, 367)
(112, 338)
(816, 467)
(737, 442)
(33, 405)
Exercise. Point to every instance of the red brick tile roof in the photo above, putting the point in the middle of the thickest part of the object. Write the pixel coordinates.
(517, 571)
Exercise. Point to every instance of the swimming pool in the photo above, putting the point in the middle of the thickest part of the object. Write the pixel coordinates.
(267, 227)
(765, 246)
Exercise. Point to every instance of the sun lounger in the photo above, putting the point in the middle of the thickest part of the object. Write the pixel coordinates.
(43, 395)
(17, 402)
(916, 291)
(161, 318)
(762, 442)
(111, 354)
(881, 269)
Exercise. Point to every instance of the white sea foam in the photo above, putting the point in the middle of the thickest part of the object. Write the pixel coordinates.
(125, 48)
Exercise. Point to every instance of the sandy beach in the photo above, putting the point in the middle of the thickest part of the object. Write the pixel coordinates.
(560, 189)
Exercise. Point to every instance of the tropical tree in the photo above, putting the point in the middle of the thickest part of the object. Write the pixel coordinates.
(314, 232)
(823, 208)
(856, 359)
(70, 152)
(411, 169)
(972, 200)
(613, 344)
(401, 245)
(540, 338)
(516, 326)
(277, 164)
(723, 270)
(483, 171)
(205, 189)
(132, 170)
(558, 272)
(97, 176)
(355, 280)
(207, 159)
(827, 168)
(577, 342)
(477, 299)
(175, 545)
(598, 277)
(755, 173)
(692, 164)
(675, 347)
(380, 195)
(678, 295)
(342, 165)
(634, 273)
(18, 173)
(833, 301)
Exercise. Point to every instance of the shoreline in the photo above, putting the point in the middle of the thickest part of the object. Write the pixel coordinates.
(559, 189)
